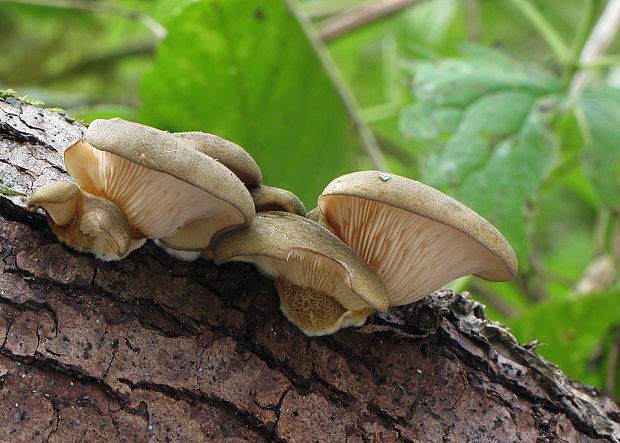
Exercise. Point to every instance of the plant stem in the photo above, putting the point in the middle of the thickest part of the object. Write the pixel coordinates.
(604, 61)
(580, 40)
(597, 43)
(317, 10)
(359, 16)
(544, 27)
(368, 139)
(95, 6)
(612, 364)
(601, 231)
(472, 17)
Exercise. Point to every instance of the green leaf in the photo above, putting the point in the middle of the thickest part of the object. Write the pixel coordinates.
(601, 159)
(247, 72)
(574, 332)
(486, 121)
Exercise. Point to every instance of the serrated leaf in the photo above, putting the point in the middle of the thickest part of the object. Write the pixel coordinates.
(248, 73)
(486, 121)
(601, 159)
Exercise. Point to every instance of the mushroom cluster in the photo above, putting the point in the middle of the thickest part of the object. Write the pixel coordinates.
(375, 240)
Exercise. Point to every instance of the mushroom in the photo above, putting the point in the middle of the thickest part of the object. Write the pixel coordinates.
(416, 237)
(269, 198)
(323, 284)
(83, 221)
(166, 189)
(241, 163)
(230, 154)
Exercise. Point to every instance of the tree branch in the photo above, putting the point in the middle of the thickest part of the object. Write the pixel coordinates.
(359, 16)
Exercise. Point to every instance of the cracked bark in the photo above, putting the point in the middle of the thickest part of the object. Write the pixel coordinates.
(150, 348)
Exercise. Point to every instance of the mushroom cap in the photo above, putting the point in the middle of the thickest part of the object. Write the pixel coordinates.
(160, 183)
(230, 154)
(323, 284)
(59, 200)
(83, 221)
(416, 237)
(269, 198)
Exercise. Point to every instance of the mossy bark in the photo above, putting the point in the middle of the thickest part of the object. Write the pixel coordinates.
(150, 348)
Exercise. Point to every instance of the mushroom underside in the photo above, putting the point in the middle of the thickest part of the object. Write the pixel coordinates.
(155, 204)
(315, 292)
(86, 222)
(413, 255)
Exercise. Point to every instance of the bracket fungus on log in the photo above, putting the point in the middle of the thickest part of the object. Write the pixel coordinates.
(416, 237)
(323, 284)
(166, 189)
(84, 221)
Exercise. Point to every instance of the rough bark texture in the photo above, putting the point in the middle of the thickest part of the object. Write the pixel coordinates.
(150, 348)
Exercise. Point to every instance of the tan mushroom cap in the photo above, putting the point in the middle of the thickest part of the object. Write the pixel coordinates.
(416, 237)
(84, 221)
(160, 183)
(323, 284)
(269, 198)
(230, 154)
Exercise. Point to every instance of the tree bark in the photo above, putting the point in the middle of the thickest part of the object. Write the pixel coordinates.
(154, 349)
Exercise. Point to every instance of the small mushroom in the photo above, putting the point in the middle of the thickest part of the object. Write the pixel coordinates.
(166, 189)
(416, 237)
(269, 198)
(323, 284)
(241, 163)
(84, 221)
(230, 154)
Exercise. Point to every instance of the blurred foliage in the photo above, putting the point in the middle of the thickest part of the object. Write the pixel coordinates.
(261, 85)
(476, 98)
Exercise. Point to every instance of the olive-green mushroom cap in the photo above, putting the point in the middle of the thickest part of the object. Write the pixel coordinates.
(323, 284)
(269, 198)
(159, 182)
(416, 237)
(230, 154)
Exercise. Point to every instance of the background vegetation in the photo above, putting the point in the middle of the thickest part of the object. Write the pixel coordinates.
(510, 106)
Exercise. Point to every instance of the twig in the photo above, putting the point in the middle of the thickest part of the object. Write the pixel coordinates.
(368, 139)
(360, 15)
(86, 5)
(598, 42)
(325, 8)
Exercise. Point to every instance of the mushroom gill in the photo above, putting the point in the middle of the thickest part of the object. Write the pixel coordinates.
(413, 255)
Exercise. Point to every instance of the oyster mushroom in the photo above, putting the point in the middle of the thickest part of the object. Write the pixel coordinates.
(84, 221)
(230, 154)
(416, 237)
(323, 284)
(241, 163)
(269, 198)
(166, 189)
